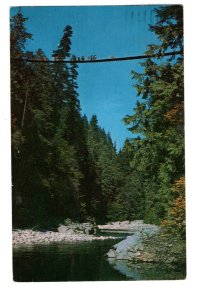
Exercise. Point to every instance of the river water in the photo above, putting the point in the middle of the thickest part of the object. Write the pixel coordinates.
(82, 261)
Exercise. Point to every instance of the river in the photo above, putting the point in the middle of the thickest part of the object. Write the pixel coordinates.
(82, 261)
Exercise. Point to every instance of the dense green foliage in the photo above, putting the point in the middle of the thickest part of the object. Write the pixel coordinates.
(66, 166)
(63, 164)
(158, 151)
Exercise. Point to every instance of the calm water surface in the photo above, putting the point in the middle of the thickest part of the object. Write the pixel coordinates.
(82, 261)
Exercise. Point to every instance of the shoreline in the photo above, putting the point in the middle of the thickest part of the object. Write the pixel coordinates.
(124, 226)
(68, 234)
(29, 237)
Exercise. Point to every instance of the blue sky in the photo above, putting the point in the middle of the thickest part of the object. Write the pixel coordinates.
(105, 89)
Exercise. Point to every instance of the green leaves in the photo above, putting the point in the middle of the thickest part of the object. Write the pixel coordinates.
(18, 35)
(105, 168)
(158, 156)
(65, 166)
(169, 27)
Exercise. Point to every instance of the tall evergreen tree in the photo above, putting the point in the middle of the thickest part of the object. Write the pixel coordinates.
(158, 153)
(70, 131)
(37, 149)
(19, 94)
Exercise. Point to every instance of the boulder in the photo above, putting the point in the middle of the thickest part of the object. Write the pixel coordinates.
(65, 229)
(88, 228)
(131, 247)
(71, 228)
(68, 222)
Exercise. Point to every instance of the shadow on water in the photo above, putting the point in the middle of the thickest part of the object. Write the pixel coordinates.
(78, 261)
(149, 271)
(83, 261)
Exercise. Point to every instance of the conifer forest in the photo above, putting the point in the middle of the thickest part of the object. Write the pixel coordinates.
(65, 165)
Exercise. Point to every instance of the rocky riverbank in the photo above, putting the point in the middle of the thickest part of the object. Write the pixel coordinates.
(72, 231)
(28, 236)
(145, 242)
(69, 231)
(132, 247)
(150, 244)
(125, 226)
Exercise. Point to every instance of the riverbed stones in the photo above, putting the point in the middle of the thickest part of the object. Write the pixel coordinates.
(29, 236)
(73, 228)
(152, 245)
(130, 226)
(132, 246)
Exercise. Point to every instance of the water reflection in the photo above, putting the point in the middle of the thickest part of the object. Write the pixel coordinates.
(79, 261)
(148, 271)
(83, 261)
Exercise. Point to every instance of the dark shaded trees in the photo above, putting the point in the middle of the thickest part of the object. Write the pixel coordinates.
(19, 96)
(66, 119)
(104, 170)
(158, 152)
(46, 171)
(64, 165)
